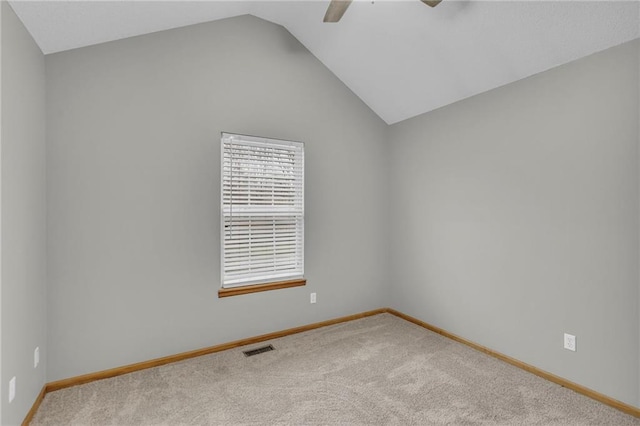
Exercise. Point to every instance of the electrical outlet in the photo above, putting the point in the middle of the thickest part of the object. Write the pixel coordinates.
(570, 342)
(36, 357)
(12, 388)
(312, 299)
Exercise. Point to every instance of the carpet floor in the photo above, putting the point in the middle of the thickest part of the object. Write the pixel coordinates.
(376, 371)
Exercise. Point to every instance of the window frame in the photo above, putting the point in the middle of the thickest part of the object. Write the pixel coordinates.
(258, 285)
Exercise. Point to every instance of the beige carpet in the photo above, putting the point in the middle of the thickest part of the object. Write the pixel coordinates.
(378, 370)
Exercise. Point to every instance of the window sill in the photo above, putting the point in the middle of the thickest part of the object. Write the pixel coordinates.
(237, 291)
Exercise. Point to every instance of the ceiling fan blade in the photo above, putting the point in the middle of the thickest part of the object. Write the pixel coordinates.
(432, 3)
(335, 10)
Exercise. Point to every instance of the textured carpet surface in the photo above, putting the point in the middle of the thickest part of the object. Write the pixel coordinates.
(377, 370)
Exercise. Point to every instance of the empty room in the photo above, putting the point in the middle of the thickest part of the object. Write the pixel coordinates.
(319, 212)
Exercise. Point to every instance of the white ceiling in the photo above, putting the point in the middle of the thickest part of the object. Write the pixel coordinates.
(400, 57)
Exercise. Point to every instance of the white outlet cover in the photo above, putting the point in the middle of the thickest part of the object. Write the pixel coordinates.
(570, 342)
(36, 357)
(12, 388)
(313, 298)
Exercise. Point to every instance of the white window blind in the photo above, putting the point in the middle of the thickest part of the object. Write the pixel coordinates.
(262, 210)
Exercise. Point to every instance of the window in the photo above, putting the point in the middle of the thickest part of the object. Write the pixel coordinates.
(262, 217)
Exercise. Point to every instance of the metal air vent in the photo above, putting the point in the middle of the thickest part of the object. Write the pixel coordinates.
(257, 351)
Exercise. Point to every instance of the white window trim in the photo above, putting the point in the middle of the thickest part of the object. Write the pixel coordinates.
(225, 212)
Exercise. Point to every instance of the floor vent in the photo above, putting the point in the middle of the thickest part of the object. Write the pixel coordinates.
(257, 351)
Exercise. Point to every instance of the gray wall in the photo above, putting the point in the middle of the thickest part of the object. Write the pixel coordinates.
(133, 191)
(23, 216)
(515, 219)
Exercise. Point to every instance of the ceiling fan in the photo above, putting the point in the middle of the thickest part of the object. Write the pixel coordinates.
(337, 8)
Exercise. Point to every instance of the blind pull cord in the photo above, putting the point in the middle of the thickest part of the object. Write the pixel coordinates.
(231, 191)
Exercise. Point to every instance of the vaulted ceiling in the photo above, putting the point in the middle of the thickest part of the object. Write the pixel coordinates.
(400, 57)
